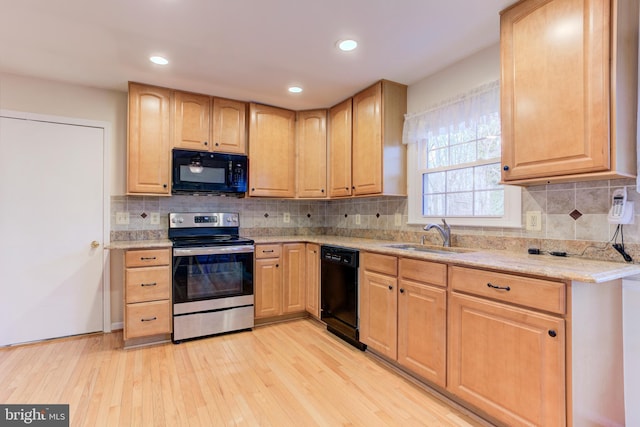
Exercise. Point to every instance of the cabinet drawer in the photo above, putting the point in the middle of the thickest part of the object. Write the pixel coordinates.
(268, 251)
(385, 264)
(148, 318)
(535, 293)
(146, 257)
(147, 284)
(423, 271)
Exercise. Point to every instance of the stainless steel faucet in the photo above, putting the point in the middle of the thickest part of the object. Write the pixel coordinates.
(445, 232)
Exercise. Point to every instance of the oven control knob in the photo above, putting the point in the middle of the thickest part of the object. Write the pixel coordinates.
(178, 220)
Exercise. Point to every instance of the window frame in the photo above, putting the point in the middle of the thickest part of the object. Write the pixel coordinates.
(512, 216)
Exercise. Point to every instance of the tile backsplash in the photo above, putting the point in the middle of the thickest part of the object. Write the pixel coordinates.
(574, 219)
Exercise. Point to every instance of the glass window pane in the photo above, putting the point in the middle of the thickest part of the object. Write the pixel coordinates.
(438, 158)
(487, 177)
(463, 153)
(433, 205)
(439, 139)
(489, 203)
(460, 180)
(434, 182)
(463, 132)
(489, 148)
(489, 125)
(460, 204)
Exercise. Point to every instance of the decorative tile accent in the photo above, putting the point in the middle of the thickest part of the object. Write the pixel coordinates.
(575, 214)
(143, 215)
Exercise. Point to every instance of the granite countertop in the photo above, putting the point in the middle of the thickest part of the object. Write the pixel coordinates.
(563, 268)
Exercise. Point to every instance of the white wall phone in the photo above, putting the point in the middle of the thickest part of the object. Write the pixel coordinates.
(621, 211)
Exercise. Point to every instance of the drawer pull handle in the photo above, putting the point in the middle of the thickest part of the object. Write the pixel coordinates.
(147, 258)
(148, 284)
(267, 252)
(151, 319)
(502, 288)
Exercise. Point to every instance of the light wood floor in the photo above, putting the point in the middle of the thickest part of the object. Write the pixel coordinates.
(287, 374)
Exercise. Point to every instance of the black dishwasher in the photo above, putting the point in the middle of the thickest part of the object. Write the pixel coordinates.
(339, 293)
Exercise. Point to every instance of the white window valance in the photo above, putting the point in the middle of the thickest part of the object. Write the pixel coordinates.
(470, 107)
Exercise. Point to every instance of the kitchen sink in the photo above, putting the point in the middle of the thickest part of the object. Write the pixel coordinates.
(428, 249)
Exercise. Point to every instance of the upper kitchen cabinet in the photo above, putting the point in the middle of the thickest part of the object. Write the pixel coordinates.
(272, 136)
(569, 90)
(311, 145)
(229, 126)
(378, 156)
(339, 147)
(205, 123)
(148, 141)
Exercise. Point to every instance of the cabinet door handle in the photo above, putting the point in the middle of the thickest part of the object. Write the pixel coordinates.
(552, 333)
(390, 287)
(148, 284)
(206, 143)
(505, 167)
(277, 265)
(502, 288)
(148, 258)
(150, 319)
(402, 290)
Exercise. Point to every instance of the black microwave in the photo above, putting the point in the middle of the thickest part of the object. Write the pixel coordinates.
(202, 172)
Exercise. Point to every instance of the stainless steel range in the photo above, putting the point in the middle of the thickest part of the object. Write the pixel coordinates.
(212, 275)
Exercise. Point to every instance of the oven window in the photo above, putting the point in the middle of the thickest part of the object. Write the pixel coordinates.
(212, 276)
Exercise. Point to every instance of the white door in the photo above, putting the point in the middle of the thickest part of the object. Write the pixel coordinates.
(51, 210)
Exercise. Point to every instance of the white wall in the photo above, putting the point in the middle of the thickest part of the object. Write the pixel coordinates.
(469, 73)
(19, 93)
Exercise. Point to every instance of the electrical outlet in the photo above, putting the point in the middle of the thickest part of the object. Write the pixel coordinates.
(286, 217)
(122, 218)
(534, 221)
(357, 219)
(154, 218)
(397, 219)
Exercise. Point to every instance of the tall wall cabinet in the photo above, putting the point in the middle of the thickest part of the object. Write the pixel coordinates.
(569, 90)
(148, 142)
(272, 139)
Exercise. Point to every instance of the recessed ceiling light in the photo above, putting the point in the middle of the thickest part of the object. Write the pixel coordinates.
(295, 89)
(159, 60)
(347, 45)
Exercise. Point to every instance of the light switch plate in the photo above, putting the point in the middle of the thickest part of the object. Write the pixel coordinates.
(358, 219)
(286, 217)
(154, 218)
(122, 218)
(397, 219)
(534, 221)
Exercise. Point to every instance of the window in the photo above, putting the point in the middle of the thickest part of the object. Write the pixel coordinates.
(454, 163)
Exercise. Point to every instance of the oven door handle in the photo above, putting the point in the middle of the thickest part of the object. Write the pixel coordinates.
(214, 250)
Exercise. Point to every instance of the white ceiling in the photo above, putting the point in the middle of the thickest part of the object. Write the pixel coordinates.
(250, 50)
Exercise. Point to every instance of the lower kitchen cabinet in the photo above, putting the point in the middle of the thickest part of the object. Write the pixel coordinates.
(279, 279)
(312, 300)
(403, 313)
(506, 360)
(422, 319)
(147, 294)
(379, 303)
